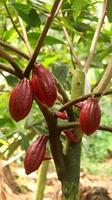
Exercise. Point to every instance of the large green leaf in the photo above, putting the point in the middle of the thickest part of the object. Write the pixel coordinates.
(28, 14)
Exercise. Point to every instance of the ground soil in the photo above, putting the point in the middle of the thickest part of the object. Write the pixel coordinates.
(14, 184)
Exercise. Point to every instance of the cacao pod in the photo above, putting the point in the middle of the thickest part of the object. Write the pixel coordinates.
(71, 136)
(90, 116)
(35, 154)
(61, 115)
(43, 85)
(21, 99)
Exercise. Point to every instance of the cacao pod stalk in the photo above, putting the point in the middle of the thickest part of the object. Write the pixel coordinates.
(21, 100)
(35, 154)
(90, 116)
(44, 86)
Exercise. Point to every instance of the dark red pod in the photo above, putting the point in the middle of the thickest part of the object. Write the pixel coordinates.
(44, 85)
(90, 116)
(61, 115)
(21, 99)
(71, 136)
(35, 154)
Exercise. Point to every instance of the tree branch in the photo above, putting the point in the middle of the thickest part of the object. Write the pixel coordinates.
(96, 36)
(6, 45)
(41, 38)
(105, 79)
(73, 102)
(72, 125)
(11, 61)
(7, 69)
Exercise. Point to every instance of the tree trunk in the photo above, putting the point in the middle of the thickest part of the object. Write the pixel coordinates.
(70, 186)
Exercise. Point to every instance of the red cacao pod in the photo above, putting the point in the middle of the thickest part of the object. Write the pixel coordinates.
(44, 85)
(71, 136)
(21, 99)
(35, 154)
(90, 116)
(61, 115)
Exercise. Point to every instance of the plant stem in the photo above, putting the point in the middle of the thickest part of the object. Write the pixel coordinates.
(41, 38)
(70, 186)
(12, 62)
(96, 36)
(7, 69)
(6, 45)
(72, 125)
(7, 9)
(54, 139)
(41, 180)
(72, 48)
(106, 78)
(82, 98)
(25, 37)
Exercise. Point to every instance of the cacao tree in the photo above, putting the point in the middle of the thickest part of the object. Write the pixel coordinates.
(27, 47)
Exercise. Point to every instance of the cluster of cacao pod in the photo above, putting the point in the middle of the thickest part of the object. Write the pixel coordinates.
(90, 115)
(35, 154)
(42, 87)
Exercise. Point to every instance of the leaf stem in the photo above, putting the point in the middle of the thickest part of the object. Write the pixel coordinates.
(41, 38)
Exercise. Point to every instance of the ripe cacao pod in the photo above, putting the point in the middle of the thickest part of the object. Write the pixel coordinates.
(21, 99)
(44, 86)
(90, 116)
(35, 154)
(71, 136)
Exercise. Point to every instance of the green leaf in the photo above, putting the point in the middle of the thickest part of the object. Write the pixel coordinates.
(11, 80)
(49, 40)
(109, 11)
(28, 14)
(24, 141)
(77, 8)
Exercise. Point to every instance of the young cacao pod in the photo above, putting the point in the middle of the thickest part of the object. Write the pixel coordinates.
(71, 136)
(21, 99)
(61, 115)
(35, 154)
(44, 85)
(90, 116)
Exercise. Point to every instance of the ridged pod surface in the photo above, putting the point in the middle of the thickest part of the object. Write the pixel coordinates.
(44, 85)
(90, 116)
(35, 154)
(21, 99)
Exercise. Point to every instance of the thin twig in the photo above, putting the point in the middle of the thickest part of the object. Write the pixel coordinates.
(72, 125)
(12, 62)
(6, 45)
(82, 98)
(41, 38)
(96, 36)
(25, 37)
(107, 76)
(7, 69)
(72, 48)
(7, 9)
